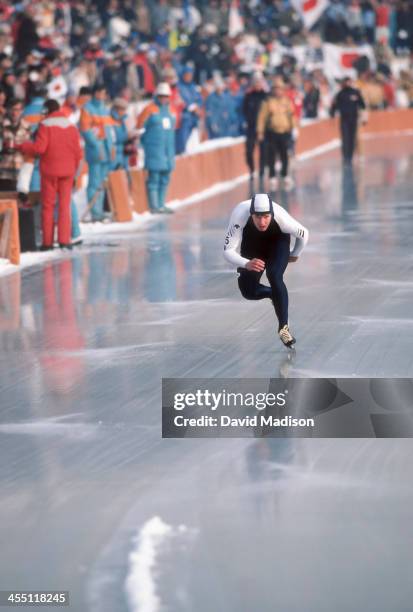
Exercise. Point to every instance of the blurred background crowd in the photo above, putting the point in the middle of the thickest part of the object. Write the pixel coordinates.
(206, 51)
(105, 61)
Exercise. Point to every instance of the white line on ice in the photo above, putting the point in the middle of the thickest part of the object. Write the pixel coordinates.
(399, 284)
(380, 321)
(49, 428)
(140, 584)
(111, 351)
(325, 148)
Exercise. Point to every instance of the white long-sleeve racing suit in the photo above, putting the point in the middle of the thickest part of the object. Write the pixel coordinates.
(239, 219)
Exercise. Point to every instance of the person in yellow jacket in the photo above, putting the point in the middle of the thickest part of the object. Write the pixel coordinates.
(275, 123)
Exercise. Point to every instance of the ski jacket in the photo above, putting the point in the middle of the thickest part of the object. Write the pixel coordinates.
(158, 139)
(57, 144)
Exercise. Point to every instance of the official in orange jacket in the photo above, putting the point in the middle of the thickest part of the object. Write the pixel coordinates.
(57, 144)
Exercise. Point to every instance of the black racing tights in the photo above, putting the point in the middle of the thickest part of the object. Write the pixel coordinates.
(275, 265)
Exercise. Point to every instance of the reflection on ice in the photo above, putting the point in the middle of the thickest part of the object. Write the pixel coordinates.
(153, 545)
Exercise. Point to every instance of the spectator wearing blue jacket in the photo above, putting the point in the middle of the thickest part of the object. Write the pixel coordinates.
(33, 114)
(96, 129)
(158, 141)
(192, 99)
(120, 133)
(239, 97)
(221, 116)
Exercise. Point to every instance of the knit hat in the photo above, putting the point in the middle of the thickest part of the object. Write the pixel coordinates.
(163, 89)
(261, 204)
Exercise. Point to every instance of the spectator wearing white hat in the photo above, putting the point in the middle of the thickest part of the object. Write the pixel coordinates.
(158, 141)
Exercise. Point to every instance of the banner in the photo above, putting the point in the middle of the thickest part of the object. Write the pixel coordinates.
(339, 61)
(310, 10)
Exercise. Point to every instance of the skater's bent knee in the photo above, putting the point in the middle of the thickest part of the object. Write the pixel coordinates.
(247, 293)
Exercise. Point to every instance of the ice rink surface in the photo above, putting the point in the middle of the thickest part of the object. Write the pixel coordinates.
(94, 501)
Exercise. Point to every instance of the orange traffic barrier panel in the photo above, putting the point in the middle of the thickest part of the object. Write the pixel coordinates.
(118, 193)
(138, 191)
(9, 231)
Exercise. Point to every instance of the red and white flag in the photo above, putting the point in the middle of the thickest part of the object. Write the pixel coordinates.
(310, 10)
(236, 22)
(57, 89)
(339, 61)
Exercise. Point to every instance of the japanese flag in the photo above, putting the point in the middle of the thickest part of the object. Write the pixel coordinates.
(310, 10)
(57, 89)
(339, 61)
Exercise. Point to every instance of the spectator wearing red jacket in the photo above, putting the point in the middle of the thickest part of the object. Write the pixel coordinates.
(57, 144)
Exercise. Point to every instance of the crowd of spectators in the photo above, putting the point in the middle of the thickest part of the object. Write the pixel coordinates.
(131, 45)
(103, 60)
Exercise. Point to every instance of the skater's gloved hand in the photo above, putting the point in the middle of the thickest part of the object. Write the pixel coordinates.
(292, 259)
(255, 265)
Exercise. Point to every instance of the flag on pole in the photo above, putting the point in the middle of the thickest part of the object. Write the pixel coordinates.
(310, 10)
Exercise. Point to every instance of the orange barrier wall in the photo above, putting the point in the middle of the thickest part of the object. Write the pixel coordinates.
(379, 122)
(317, 134)
(10, 234)
(389, 121)
(194, 173)
(118, 192)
